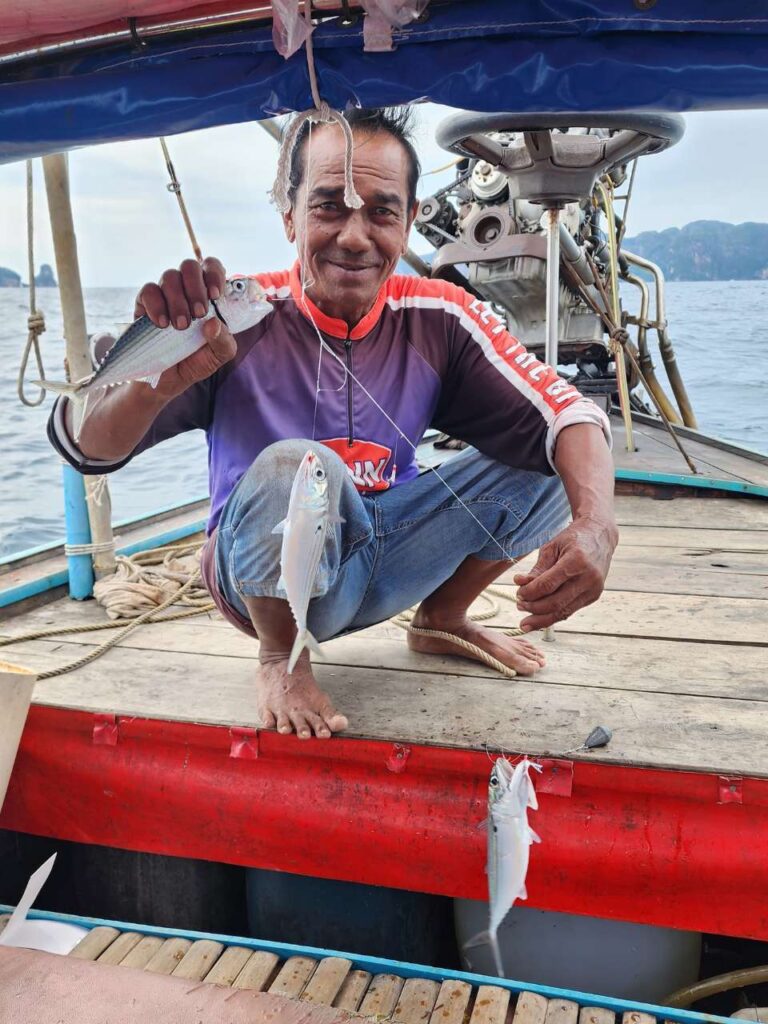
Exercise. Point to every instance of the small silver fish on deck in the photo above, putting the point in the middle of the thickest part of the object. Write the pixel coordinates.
(510, 795)
(144, 351)
(303, 531)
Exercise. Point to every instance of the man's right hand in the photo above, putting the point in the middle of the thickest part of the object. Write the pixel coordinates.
(181, 296)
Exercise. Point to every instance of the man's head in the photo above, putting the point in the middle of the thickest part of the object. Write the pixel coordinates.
(347, 254)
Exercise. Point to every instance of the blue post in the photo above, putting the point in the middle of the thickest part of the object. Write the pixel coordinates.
(78, 530)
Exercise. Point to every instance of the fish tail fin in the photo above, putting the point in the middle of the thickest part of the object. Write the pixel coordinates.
(488, 938)
(303, 639)
(60, 387)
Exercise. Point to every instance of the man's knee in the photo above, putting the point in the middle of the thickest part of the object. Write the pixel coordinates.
(271, 474)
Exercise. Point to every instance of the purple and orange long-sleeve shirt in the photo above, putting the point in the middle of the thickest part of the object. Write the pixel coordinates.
(427, 352)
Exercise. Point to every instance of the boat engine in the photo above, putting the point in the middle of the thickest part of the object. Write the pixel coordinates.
(489, 226)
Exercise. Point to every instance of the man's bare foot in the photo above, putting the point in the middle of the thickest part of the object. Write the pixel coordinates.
(516, 652)
(295, 703)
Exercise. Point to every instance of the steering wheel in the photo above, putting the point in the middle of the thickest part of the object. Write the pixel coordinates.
(549, 165)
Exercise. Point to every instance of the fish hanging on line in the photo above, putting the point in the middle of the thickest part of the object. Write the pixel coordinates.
(303, 531)
(510, 796)
(144, 351)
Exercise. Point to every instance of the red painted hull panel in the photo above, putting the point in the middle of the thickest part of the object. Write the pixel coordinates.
(668, 848)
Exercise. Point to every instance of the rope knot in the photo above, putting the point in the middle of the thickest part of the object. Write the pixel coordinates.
(619, 339)
(36, 322)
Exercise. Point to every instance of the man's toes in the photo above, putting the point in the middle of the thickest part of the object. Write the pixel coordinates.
(267, 719)
(318, 725)
(301, 725)
(336, 722)
(284, 722)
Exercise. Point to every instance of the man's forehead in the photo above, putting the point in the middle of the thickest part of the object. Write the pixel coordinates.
(378, 158)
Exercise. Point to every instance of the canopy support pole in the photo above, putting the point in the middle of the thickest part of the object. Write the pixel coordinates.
(94, 491)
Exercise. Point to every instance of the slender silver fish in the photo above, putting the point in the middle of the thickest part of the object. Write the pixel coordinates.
(303, 531)
(510, 795)
(144, 351)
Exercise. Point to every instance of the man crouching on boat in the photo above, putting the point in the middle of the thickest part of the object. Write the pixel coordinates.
(357, 362)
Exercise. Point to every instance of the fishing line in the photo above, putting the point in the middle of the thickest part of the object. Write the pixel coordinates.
(400, 432)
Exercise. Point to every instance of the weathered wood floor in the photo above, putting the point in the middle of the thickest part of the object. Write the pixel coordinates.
(674, 659)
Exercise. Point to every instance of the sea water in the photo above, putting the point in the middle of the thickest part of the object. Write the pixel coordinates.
(719, 330)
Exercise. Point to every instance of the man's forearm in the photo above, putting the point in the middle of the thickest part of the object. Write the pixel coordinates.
(116, 420)
(584, 462)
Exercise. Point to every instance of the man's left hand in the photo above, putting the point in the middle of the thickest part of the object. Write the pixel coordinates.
(570, 573)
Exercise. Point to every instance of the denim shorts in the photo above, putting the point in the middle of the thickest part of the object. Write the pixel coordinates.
(395, 547)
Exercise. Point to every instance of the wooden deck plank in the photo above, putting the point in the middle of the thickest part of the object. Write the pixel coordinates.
(530, 1008)
(326, 982)
(382, 996)
(562, 1011)
(416, 1001)
(258, 972)
(142, 952)
(596, 1015)
(228, 966)
(168, 957)
(451, 1003)
(293, 976)
(491, 1004)
(118, 950)
(707, 513)
(92, 945)
(636, 1017)
(198, 960)
(352, 991)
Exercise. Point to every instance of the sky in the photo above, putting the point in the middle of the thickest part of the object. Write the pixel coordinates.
(129, 228)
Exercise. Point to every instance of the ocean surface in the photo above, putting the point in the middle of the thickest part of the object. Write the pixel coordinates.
(719, 330)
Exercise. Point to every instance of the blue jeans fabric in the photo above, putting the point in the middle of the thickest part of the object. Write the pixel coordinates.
(395, 547)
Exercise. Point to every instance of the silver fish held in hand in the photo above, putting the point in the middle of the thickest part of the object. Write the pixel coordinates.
(510, 796)
(144, 351)
(303, 531)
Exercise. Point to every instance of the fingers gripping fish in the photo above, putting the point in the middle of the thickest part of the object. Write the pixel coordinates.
(303, 531)
(510, 796)
(144, 351)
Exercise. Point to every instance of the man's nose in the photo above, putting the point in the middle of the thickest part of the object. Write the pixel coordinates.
(353, 235)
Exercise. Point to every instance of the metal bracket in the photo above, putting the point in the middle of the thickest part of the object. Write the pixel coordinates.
(105, 730)
(555, 778)
(245, 743)
(729, 789)
(398, 759)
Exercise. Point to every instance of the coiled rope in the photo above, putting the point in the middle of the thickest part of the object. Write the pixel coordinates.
(144, 585)
(36, 320)
(149, 582)
(405, 621)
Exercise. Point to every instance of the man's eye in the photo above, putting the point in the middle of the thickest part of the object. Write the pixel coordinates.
(329, 206)
(383, 211)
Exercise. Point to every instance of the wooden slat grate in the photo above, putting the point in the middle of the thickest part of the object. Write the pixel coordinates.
(333, 981)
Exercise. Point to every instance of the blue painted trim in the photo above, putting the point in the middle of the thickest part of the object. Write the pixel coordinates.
(58, 579)
(378, 965)
(41, 549)
(78, 530)
(706, 483)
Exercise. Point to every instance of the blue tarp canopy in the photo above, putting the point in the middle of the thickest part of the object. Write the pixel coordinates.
(524, 55)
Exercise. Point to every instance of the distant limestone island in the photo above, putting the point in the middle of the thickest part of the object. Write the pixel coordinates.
(706, 250)
(43, 279)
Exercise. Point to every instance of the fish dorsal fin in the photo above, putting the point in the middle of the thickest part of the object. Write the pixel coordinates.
(152, 381)
(280, 528)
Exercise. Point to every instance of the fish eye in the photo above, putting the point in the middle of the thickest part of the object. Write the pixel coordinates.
(319, 473)
(494, 781)
(239, 285)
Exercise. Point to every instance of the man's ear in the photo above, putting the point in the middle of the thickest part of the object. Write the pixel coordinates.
(409, 223)
(289, 225)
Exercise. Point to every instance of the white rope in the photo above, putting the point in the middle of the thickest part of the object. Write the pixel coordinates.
(321, 113)
(89, 549)
(36, 320)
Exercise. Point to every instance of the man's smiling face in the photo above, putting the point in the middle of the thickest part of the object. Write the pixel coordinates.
(346, 255)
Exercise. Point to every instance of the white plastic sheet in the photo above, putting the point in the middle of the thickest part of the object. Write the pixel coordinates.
(381, 16)
(47, 936)
(290, 29)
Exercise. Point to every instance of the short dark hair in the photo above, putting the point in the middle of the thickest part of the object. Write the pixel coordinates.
(394, 121)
